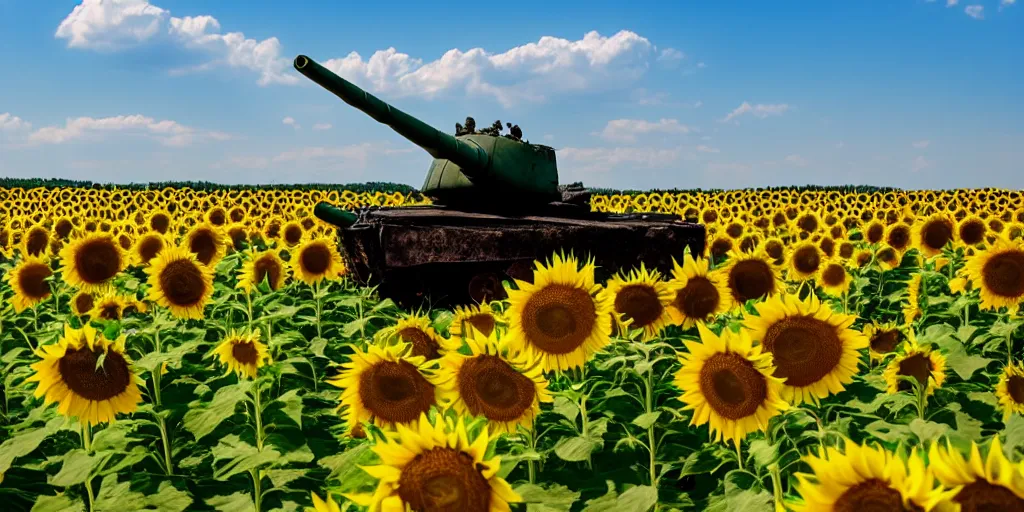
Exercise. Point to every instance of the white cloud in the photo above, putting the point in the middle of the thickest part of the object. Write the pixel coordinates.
(759, 110)
(670, 54)
(1006, 3)
(288, 121)
(167, 132)
(921, 144)
(11, 122)
(322, 126)
(951, 3)
(796, 160)
(920, 163)
(707, 149)
(111, 24)
(698, 104)
(597, 160)
(626, 130)
(233, 49)
(975, 11)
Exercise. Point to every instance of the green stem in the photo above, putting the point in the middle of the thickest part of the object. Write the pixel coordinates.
(531, 467)
(316, 292)
(652, 441)
(255, 472)
(257, 493)
(739, 454)
(248, 308)
(776, 485)
(87, 445)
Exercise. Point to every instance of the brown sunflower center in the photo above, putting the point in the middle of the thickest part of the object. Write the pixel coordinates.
(774, 249)
(395, 391)
(981, 496)
(217, 217)
(83, 302)
(245, 352)
(1003, 274)
(709, 216)
(63, 228)
(833, 275)
(1015, 387)
(267, 268)
(972, 232)
(97, 260)
(827, 246)
(899, 237)
(444, 480)
(110, 312)
(203, 244)
(720, 247)
(237, 214)
(492, 388)
(808, 223)
(698, 299)
(79, 372)
(483, 323)
(182, 283)
(422, 344)
(918, 366)
(875, 233)
(937, 233)
(292, 234)
(734, 230)
(32, 280)
(871, 495)
(806, 260)
(732, 386)
(751, 279)
(884, 342)
(846, 250)
(640, 303)
(558, 318)
(887, 255)
(315, 259)
(36, 242)
(805, 349)
(160, 222)
(149, 247)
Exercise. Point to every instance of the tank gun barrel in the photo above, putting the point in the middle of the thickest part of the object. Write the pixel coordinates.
(469, 156)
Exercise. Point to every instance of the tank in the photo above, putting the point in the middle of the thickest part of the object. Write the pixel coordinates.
(497, 208)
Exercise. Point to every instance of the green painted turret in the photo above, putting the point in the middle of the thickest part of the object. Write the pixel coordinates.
(470, 169)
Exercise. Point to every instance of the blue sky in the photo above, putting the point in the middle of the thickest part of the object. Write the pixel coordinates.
(905, 93)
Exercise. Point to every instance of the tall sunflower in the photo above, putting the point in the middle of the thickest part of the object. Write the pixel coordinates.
(805, 260)
(814, 349)
(640, 300)
(561, 316)
(474, 317)
(317, 259)
(417, 330)
(243, 353)
(833, 277)
(207, 242)
(147, 247)
(750, 276)
(971, 231)
(28, 279)
(699, 295)
(977, 484)
(727, 382)
(384, 386)
(917, 361)
(999, 273)
(1010, 390)
(933, 233)
(90, 376)
(180, 283)
(866, 478)
(91, 261)
(505, 388)
(262, 265)
(35, 241)
(883, 338)
(437, 466)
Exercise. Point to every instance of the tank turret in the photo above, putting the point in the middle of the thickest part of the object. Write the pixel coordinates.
(472, 169)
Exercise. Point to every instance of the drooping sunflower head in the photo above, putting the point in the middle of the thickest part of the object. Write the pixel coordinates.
(977, 483)
(91, 261)
(750, 276)
(82, 303)
(561, 316)
(30, 281)
(35, 241)
(90, 376)
(998, 272)
(243, 353)
(883, 338)
(887, 258)
(805, 259)
(933, 233)
(110, 306)
(208, 243)
(833, 277)
(418, 331)
(475, 317)
(728, 383)
(503, 387)
(699, 295)
(865, 478)
(179, 282)
(384, 386)
(1010, 390)
(436, 465)
(814, 349)
(640, 300)
(262, 265)
(317, 259)
(915, 361)
(147, 247)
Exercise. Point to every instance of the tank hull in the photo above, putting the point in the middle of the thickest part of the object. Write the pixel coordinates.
(438, 256)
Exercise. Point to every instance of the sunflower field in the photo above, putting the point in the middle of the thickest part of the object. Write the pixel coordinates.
(175, 348)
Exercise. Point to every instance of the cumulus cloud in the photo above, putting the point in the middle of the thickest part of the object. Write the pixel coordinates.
(919, 164)
(288, 121)
(627, 130)
(760, 110)
(921, 144)
(167, 132)
(321, 126)
(10, 122)
(233, 49)
(111, 24)
(951, 3)
(1006, 3)
(975, 11)
(580, 161)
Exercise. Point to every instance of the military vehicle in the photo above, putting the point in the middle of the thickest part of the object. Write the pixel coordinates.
(497, 207)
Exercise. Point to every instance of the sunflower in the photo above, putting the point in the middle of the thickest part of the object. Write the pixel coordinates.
(147, 247)
(917, 361)
(28, 279)
(865, 478)
(35, 241)
(887, 258)
(750, 276)
(259, 266)
(110, 306)
(805, 259)
(727, 382)
(719, 247)
(317, 259)
(321, 505)
(933, 233)
(82, 303)
(883, 338)
(159, 221)
(898, 236)
(863, 257)
(207, 242)
(814, 348)
(971, 231)
(913, 308)
(91, 261)
(873, 231)
(640, 300)
(833, 277)
(507, 389)
(437, 466)
(998, 272)
(1010, 390)
(180, 283)
(977, 484)
(90, 376)
(385, 386)
(474, 317)
(699, 295)
(560, 316)
(775, 248)
(292, 233)
(243, 353)
(417, 331)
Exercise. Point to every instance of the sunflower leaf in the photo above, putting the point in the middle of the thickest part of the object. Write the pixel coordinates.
(746, 500)
(237, 502)
(576, 449)
(967, 428)
(763, 453)
(282, 477)
(1004, 329)
(26, 442)
(566, 408)
(1014, 433)
(115, 496)
(292, 405)
(886, 431)
(555, 498)
(58, 503)
(927, 431)
(77, 467)
(241, 457)
(646, 419)
(345, 465)
(168, 499)
(201, 422)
